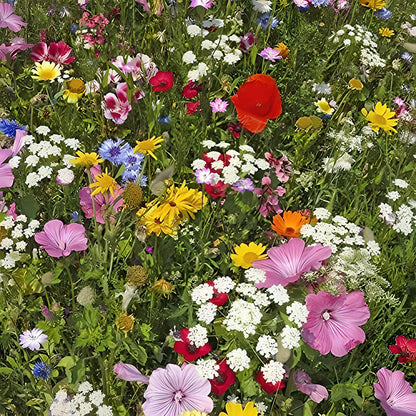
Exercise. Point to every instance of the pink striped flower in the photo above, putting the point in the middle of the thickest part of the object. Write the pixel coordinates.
(117, 107)
(56, 52)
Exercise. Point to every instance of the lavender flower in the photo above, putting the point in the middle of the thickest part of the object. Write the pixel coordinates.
(205, 176)
(243, 185)
(270, 54)
(32, 339)
(218, 106)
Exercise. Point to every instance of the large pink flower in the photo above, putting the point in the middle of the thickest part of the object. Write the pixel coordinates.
(333, 322)
(10, 20)
(289, 261)
(395, 393)
(13, 47)
(56, 52)
(173, 390)
(117, 107)
(59, 239)
(6, 175)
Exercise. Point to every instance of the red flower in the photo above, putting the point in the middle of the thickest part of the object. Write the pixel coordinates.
(269, 387)
(191, 89)
(162, 81)
(225, 378)
(235, 129)
(192, 107)
(219, 298)
(406, 348)
(224, 158)
(189, 351)
(257, 101)
(217, 190)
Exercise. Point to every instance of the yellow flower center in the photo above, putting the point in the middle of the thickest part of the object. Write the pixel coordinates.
(249, 257)
(76, 86)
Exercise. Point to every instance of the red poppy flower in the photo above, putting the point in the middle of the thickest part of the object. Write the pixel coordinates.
(406, 348)
(257, 101)
(192, 107)
(191, 89)
(217, 190)
(219, 298)
(189, 351)
(269, 387)
(225, 378)
(162, 81)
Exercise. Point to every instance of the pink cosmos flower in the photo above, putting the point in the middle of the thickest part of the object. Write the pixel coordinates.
(59, 239)
(289, 261)
(117, 107)
(10, 20)
(129, 372)
(56, 52)
(173, 390)
(315, 391)
(218, 106)
(6, 175)
(206, 4)
(395, 393)
(104, 207)
(333, 323)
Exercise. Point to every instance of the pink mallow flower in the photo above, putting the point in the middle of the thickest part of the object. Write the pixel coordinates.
(395, 393)
(333, 323)
(286, 263)
(55, 52)
(173, 390)
(10, 20)
(316, 392)
(59, 239)
(6, 175)
(129, 372)
(117, 107)
(104, 206)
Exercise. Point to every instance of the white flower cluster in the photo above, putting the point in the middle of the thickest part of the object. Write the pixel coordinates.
(273, 372)
(350, 35)
(290, 337)
(42, 159)
(83, 403)
(18, 231)
(335, 164)
(238, 360)
(267, 346)
(207, 369)
(198, 335)
(298, 313)
(243, 316)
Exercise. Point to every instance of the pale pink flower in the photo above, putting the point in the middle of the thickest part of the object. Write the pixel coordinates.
(315, 391)
(206, 4)
(218, 106)
(117, 107)
(395, 393)
(6, 175)
(129, 372)
(286, 263)
(12, 48)
(333, 323)
(10, 20)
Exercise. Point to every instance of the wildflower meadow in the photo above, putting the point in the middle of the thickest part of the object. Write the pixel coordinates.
(207, 207)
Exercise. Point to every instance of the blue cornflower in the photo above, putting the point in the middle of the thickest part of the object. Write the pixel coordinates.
(264, 20)
(143, 181)
(113, 151)
(325, 117)
(131, 158)
(42, 370)
(383, 14)
(9, 127)
(130, 175)
(74, 216)
(318, 3)
(163, 120)
(73, 28)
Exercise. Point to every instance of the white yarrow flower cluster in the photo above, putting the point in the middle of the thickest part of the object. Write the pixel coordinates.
(207, 369)
(207, 312)
(290, 337)
(238, 359)
(298, 313)
(273, 372)
(244, 317)
(267, 346)
(202, 293)
(255, 275)
(198, 335)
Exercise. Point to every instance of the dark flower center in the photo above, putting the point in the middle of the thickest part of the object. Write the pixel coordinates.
(178, 396)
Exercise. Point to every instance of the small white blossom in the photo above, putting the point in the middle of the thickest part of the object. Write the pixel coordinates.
(207, 312)
(44, 130)
(278, 294)
(273, 372)
(202, 293)
(267, 346)
(207, 369)
(290, 337)
(238, 359)
(298, 313)
(198, 335)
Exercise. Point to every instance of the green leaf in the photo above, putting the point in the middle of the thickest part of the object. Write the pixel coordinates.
(120, 171)
(68, 362)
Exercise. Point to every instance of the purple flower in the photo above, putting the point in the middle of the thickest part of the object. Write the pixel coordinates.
(205, 176)
(6, 175)
(129, 372)
(315, 391)
(289, 261)
(395, 393)
(218, 106)
(10, 20)
(32, 339)
(173, 390)
(270, 54)
(243, 185)
(206, 4)
(247, 42)
(333, 323)
(407, 57)
(59, 239)
(49, 316)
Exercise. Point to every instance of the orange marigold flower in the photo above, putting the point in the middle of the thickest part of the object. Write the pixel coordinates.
(290, 224)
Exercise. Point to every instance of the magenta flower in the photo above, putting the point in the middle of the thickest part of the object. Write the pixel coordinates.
(59, 239)
(218, 106)
(333, 323)
(289, 261)
(117, 107)
(6, 175)
(32, 339)
(206, 4)
(104, 207)
(173, 390)
(270, 54)
(129, 372)
(395, 393)
(56, 52)
(315, 391)
(13, 47)
(10, 20)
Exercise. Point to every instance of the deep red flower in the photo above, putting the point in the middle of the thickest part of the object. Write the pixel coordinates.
(269, 387)
(192, 107)
(219, 298)
(55, 52)
(189, 351)
(406, 348)
(162, 81)
(257, 101)
(235, 129)
(225, 378)
(191, 89)
(217, 190)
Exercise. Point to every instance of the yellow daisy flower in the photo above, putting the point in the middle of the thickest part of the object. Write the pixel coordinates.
(147, 147)
(86, 159)
(355, 84)
(235, 409)
(75, 89)
(46, 71)
(386, 32)
(324, 107)
(380, 117)
(246, 254)
(373, 4)
(283, 49)
(105, 183)
(153, 223)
